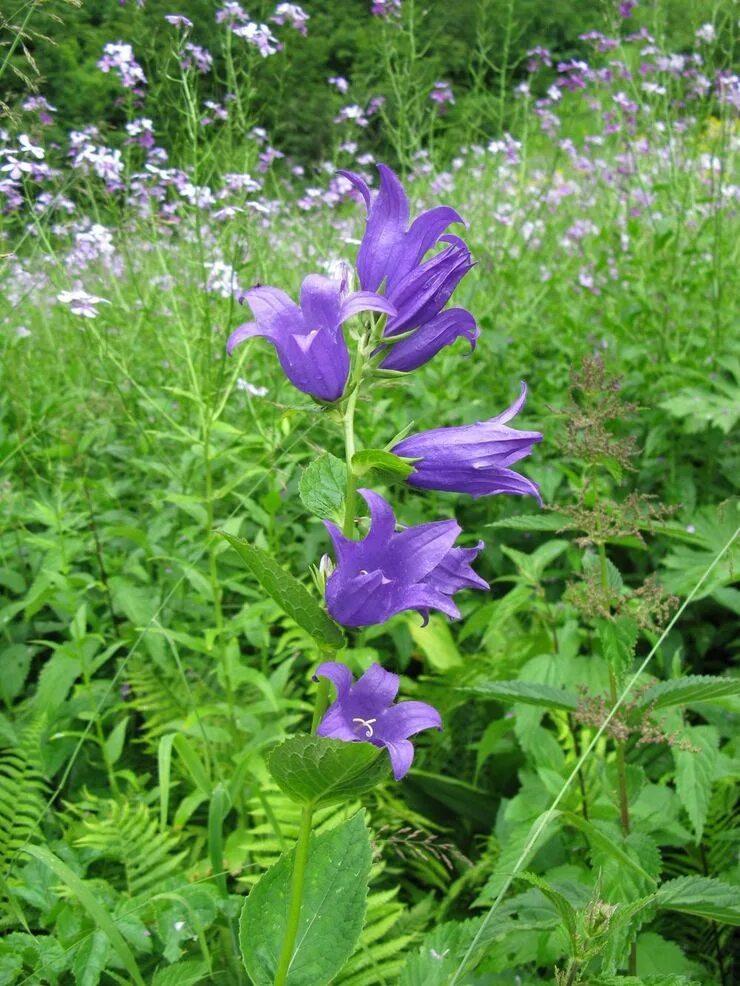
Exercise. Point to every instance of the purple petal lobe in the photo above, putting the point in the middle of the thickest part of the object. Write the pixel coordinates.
(246, 331)
(426, 342)
(364, 301)
(321, 302)
(386, 224)
(401, 753)
(408, 718)
(339, 675)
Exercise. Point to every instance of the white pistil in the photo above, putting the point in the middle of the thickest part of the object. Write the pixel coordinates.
(367, 723)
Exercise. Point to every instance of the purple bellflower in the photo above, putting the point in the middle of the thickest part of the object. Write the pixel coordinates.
(389, 572)
(364, 712)
(472, 459)
(393, 255)
(308, 337)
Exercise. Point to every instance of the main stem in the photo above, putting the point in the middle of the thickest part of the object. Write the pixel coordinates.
(350, 500)
(296, 895)
(322, 700)
(624, 809)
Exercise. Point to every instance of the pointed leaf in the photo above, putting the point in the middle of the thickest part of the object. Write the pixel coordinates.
(526, 692)
(688, 691)
(288, 593)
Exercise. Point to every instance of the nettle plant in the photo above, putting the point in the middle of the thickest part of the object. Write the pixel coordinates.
(317, 892)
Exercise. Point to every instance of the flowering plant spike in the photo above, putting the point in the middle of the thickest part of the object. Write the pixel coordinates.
(308, 337)
(364, 711)
(472, 459)
(388, 572)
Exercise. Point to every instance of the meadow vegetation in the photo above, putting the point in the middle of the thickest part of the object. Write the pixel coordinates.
(161, 576)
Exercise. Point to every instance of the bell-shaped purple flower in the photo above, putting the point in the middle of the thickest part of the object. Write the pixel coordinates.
(364, 712)
(472, 459)
(389, 571)
(308, 337)
(393, 255)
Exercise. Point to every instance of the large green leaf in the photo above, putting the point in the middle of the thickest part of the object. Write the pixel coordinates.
(318, 771)
(332, 912)
(526, 692)
(688, 691)
(703, 896)
(288, 593)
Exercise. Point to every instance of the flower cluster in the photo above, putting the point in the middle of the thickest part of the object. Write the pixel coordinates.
(119, 57)
(407, 272)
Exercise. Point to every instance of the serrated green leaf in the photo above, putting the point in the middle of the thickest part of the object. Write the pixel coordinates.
(695, 771)
(526, 692)
(561, 904)
(332, 912)
(188, 973)
(686, 564)
(288, 593)
(628, 854)
(688, 691)
(319, 771)
(322, 487)
(385, 465)
(534, 522)
(618, 638)
(532, 566)
(703, 896)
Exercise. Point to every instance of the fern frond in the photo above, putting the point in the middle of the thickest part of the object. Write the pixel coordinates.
(23, 793)
(161, 698)
(128, 834)
(714, 857)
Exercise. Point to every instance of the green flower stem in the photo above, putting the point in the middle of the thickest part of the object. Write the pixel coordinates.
(301, 855)
(350, 500)
(296, 896)
(624, 808)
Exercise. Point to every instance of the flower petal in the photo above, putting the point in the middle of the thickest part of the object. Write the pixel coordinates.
(375, 690)
(421, 237)
(363, 301)
(511, 412)
(316, 362)
(386, 224)
(427, 288)
(272, 307)
(426, 342)
(358, 183)
(383, 521)
(417, 550)
(406, 719)
(401, 753)
(339, 675)
(321, 302)
(454, 571)
(243, 332)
